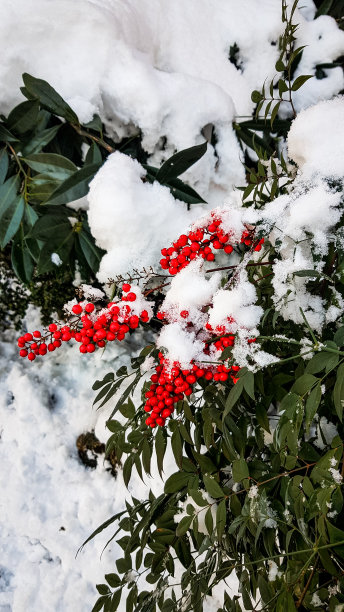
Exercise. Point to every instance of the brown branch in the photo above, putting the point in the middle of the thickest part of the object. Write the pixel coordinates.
(262, 263)
(99, 141)
(302, 596)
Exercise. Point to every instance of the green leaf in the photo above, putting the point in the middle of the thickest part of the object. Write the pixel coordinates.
(208, 520)
(160, 449)
(52, 228)
(10, 220)
(94, 124)
(180, 162)
(113, 580)
(74, 187)
(99, 604)
(256, 96)
(212, 487)
(303, 384)
(318, 362)
(312, 405)
(103, 589)
(177, 447)
(5, 135)
(8, 198)
(185, 193)
(336, 535)
(338, 337)
(92, 253)
(23, 118)
(221, 518)
(233, 396)
(146, 456)
(300, 80)
(176, 482)
(101, 527)
(324, 8)
(40, 140)
(3, 165)
(285, 603)
(51, 164)
(338, 392)
(48, 97)
(240, 470)
(22, 261)
(184, 525)
(248, 380)
(93, 155)
(280, 67)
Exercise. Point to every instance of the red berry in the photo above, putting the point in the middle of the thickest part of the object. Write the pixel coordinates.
(90, 348)
(57, 343)
(27, 337)
(184, 314)
(23, 353)
(82, 348)
(66, 336)
(131, 297)
(52, 327)
(126, 287)
(89, 307)
(77, 309)
(51, 347)
(31, 356)
(37, 334)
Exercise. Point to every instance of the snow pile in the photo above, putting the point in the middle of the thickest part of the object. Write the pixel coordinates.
(163, 68)
(130, 219)
(316, 140)
(190, 290)
(234, 307)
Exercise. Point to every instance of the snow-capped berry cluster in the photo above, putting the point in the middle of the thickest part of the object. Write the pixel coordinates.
(201, 242)
(90, 327)
(170, 383)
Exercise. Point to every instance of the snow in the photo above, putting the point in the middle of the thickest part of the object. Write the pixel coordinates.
(190, 290)
(56, 259)
(181, 345)
(126, 212)
(316, 139)
(238, 303)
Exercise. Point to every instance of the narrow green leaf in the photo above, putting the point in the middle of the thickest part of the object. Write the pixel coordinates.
(176, 482)
(51, 164)
(3, 165)
(180, 162)
(74, 187)
(49, 98)
(338, 392)
(10, 220)
(221, 518)
(300, 80)
(184, 525)
(212, 487)
(233, 396)
(6, 136)
(23, 118)
(240, 470)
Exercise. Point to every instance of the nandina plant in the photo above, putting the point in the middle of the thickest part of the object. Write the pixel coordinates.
(243, 379)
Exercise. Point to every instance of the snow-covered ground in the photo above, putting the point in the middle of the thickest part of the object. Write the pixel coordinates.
(162, 66)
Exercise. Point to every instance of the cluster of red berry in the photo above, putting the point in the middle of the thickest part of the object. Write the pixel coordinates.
(201, 242)
(87, 327)
(171, 383)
